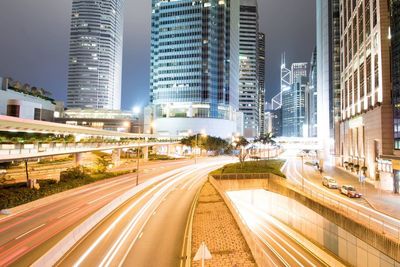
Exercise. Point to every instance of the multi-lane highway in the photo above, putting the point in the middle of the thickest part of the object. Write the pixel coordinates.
(148, 230)
(27, 234)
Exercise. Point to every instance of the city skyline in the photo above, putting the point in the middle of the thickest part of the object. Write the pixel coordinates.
(33, 60)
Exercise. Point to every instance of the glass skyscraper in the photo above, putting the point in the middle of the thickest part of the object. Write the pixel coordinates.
(249, 92)
(95, 55)
(194, 66)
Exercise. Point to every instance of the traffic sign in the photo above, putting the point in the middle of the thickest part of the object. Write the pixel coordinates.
(202, 254)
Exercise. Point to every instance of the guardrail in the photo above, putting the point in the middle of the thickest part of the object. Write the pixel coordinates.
(370, 218)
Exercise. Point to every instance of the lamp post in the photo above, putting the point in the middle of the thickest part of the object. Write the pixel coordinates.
(138, 165)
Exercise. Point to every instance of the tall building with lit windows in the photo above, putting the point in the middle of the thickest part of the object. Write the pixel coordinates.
(261, 81)
(249, 93)
(366, 123)
(195, 66)
(95, 55)
(328, 76)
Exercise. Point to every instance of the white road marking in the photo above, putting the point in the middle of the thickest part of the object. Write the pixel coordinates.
(30, 231)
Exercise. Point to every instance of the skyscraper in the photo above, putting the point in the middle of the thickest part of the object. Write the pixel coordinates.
(299, 70)
(261, 81)
(249, 90)
(366, 126)
(328, 72)
(312, 106)
(95, 55)
(195, 66)
(293, 108)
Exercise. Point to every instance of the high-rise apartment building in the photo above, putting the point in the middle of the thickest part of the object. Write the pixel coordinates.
(328, 73)
(249, 90)
(95, 54)
(195, 66)
(261, 81)
(366, 127)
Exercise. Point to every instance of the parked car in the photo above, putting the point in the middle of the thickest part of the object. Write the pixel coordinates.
(329, 182)
(350, 191)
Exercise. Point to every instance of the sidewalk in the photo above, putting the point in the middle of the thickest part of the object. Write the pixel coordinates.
(214, 224)
(383, 201)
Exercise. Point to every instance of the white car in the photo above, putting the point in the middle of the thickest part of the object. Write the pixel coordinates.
(350, 191)
(329, 182)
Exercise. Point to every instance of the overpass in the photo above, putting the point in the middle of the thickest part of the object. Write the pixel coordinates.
(115, 141)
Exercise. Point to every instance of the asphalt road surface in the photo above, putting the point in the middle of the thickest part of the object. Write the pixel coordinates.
(148, 230)
(27, 235)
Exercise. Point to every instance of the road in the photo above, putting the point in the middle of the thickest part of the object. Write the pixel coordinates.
(281, 245)
(149, 229)
(26, 235)
(305, 178)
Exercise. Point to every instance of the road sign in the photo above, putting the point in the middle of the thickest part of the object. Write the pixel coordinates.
(202, 254)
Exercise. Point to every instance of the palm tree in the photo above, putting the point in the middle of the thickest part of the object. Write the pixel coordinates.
(266, 139)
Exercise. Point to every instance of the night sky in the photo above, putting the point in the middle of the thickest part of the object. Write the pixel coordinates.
(34, 43)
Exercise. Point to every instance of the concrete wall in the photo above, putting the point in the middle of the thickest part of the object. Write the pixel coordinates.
(315, 227)
(371, 236)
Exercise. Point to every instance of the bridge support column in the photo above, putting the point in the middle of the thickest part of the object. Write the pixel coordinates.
(78, 159)
(116, 157)
(145, 151)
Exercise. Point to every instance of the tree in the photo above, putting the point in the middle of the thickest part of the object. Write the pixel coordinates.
(241, 143)
(266, 139)
(102, 163)
(209, 143)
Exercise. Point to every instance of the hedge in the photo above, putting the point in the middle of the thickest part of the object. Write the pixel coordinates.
(13, 195)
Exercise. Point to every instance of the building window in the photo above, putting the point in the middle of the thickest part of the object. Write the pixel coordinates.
(37, 114)
(13, 110)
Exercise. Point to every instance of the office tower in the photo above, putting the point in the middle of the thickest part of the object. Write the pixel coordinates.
(195, 66)
(293, 109)
(95, 55)
(261, 82)
(299, 70)
(328, 73)
(312, 105)
(249, 91)
(366, 126)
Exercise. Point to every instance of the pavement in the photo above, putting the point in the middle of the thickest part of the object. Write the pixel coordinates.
(33, 228)
(214, 224)
(149, 229)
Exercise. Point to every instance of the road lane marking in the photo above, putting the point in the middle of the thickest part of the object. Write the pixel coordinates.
(30, 231)
(140, 236)
(71, 211)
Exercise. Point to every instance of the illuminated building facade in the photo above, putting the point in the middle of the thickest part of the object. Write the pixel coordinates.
(194, 84)
(366, 126)
(95, 55)
(249, 90)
